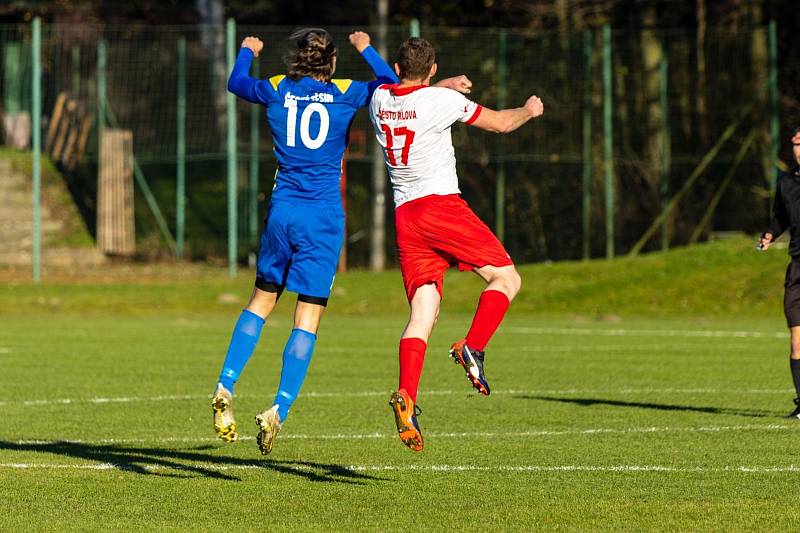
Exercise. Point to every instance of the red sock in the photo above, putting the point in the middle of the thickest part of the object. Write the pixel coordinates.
(412, 355)
(492, 307)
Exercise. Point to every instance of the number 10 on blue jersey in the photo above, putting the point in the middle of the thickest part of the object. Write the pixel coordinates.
(305, 121)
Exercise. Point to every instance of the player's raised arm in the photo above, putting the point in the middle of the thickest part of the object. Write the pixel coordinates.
(508, 120)
(460, 84)
(240, 83)
(383, 72)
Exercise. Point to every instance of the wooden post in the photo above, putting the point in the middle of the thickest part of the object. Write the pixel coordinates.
(116, 233)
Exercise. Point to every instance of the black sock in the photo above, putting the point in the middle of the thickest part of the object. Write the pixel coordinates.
(794, 364)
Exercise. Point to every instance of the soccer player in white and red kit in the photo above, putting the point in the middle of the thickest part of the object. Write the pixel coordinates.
(435, 228)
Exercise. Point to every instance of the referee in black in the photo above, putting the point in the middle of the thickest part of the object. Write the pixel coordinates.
(786, 216)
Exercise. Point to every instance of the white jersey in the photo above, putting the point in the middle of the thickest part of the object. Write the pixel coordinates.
(412, 124)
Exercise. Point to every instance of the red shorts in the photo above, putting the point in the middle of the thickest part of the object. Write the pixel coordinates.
(437, 232)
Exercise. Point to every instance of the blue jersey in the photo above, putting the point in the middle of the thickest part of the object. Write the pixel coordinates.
(310, 122)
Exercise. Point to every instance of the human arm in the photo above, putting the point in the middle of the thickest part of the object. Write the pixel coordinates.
(240, 83)
(461, 84)
(778, 224)
(383, 72)
(508, 120)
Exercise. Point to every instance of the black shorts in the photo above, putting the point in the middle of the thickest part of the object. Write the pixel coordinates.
(791, 294)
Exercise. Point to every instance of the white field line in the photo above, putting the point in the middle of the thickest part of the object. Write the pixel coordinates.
(387, 393)
(579, 348)
(647, 332)
(440, 468)
(615, 348)
(459, 435)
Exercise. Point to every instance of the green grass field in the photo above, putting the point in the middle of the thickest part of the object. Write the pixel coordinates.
(628, 395)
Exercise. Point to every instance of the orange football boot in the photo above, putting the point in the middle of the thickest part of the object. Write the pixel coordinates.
(405, 416)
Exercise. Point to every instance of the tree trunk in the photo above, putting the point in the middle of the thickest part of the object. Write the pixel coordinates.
(760, 56)
(377, 256)
(702, 118)
(652, 55)
(212, 37)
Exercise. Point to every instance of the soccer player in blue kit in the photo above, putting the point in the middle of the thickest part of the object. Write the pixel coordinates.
(310, 115)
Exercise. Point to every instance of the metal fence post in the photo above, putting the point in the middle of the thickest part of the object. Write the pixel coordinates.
(180, 193)
(232, 162)
(773, 101)
(608, 141)
(666, 144)
(587, 144)
(252, 197)
(414, 28)
(101, 88)
(36, 119)
(502, 89)
(75, 58)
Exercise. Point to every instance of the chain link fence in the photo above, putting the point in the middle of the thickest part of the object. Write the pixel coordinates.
(671, 103)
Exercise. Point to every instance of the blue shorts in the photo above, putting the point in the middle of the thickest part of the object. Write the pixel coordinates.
(300, 247)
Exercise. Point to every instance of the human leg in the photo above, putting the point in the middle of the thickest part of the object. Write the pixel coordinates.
(296, 359)
(791, 309)
(503, 284)
(413, 343)
(297, 355)
(273, 259)
(245, 335)
(242, 344)
(794, 366)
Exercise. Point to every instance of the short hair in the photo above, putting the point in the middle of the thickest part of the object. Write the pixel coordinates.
(313, 56)
(415, 57)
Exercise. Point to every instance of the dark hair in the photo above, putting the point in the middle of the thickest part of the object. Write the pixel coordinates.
(313, 56)
(415, 57)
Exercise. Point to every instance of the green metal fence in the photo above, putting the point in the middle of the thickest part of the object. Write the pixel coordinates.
(630, 119)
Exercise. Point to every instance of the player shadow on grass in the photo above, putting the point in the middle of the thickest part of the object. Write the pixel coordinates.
(163, 462)
(586, 402)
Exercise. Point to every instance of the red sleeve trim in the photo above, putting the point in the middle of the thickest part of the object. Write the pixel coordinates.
(475, 115)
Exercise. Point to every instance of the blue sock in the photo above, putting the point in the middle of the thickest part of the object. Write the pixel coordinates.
(243, 342)
(296, 357)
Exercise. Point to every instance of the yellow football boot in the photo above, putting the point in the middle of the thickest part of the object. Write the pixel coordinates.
(224, 421)
(269, 425)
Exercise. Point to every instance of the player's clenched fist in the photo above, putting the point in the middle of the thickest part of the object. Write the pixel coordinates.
(360, 40)
(535, 106)
(254, 44)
